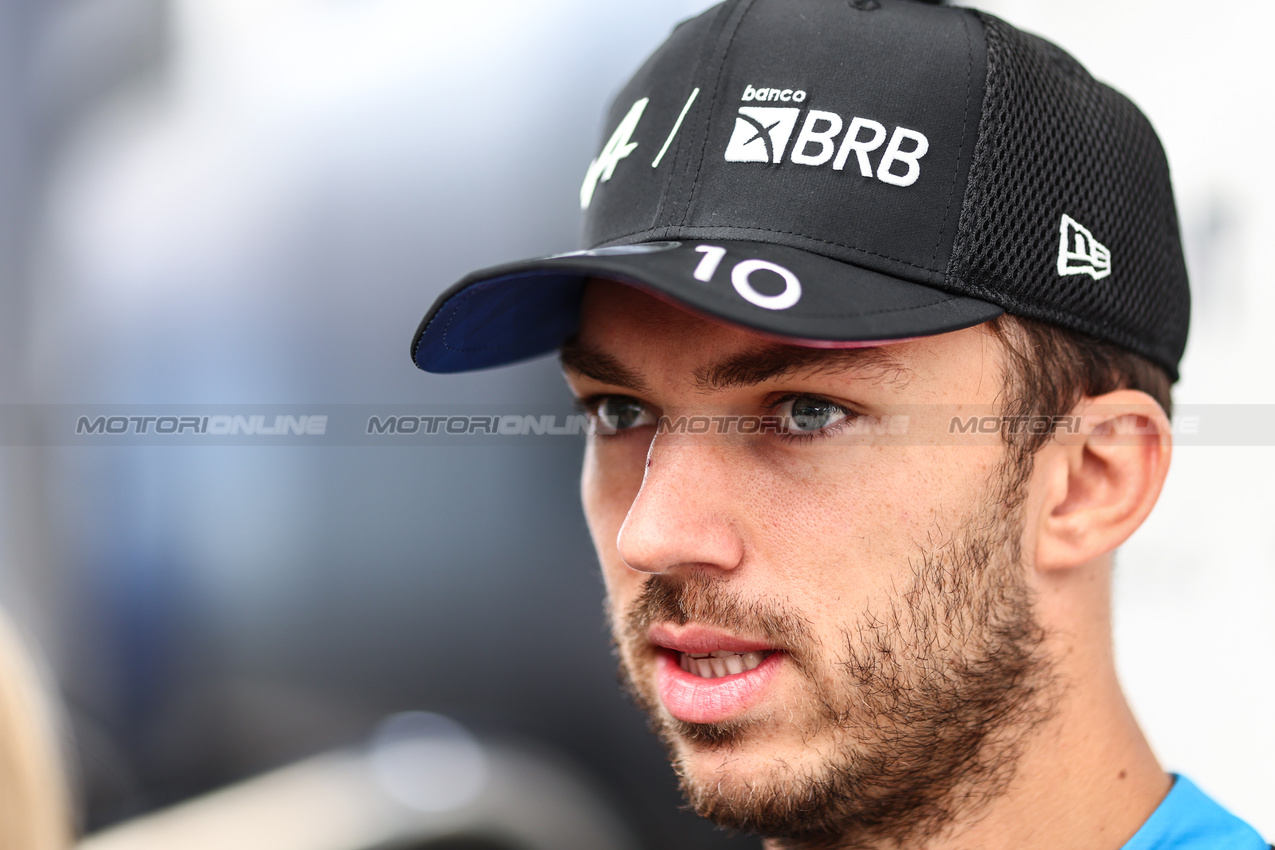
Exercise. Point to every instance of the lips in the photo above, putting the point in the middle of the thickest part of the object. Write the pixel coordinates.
(709, 676)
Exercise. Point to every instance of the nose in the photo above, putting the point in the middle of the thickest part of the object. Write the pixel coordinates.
(686, 513)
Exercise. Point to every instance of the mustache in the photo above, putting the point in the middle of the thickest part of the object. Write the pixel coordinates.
(687, 597)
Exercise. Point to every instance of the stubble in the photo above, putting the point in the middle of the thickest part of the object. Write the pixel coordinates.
(922, 708)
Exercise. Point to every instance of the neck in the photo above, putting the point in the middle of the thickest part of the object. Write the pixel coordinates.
(1086, 778)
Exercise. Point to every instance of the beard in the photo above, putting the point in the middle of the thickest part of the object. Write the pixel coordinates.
(922, 709)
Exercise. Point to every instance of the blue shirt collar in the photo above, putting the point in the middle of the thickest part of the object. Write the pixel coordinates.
(1189, 819)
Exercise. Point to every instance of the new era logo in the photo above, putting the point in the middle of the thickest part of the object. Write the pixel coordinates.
(761, 133)
(1079, 252)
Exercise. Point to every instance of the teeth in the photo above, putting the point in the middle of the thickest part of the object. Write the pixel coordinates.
(714, 665)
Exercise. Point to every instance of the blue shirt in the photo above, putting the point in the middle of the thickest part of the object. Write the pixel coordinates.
(1189, 820)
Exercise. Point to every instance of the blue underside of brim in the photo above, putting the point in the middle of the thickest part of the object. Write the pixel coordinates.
(502, 320)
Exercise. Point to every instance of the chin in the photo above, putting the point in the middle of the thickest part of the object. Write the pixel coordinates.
(777, 795)
(738, 756)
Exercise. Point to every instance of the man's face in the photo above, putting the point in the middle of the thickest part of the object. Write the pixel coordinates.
(828, 621)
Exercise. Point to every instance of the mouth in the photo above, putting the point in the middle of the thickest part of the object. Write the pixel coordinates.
(721, 662)
(704, 675)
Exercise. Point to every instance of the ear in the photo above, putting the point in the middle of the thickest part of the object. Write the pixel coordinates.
(1100, 475)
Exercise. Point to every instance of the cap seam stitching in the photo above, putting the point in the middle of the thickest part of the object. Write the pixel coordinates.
(894, 311)
(460, 298)
(717, 87)
(676, 169)
(674, 172)
(959, 261)
(965, 121)
(469, 294)
(1015, 306)
(612, 240)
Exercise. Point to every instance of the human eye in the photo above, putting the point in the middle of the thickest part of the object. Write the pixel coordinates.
(616, 414)
(805, 417)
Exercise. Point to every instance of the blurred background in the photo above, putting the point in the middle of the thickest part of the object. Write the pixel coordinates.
(229, 202)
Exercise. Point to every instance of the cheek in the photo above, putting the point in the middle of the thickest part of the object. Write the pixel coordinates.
(846, 493)
(834, 538)
(845, 531)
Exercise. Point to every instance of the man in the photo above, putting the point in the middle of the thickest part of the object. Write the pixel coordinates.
(876, 330)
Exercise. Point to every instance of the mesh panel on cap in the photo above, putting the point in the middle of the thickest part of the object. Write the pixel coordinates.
(1054, 141)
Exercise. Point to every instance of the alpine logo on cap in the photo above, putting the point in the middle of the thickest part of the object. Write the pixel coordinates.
(1079, 252)
(762, 134)
(619, 146)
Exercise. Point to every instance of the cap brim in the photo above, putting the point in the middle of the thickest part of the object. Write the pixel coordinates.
(521, 310)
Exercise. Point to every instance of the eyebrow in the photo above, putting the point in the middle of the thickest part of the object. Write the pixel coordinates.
(747, 368)
(777, 361)
(600, 366)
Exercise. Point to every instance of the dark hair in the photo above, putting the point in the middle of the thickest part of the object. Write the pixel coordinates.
(1049, 369)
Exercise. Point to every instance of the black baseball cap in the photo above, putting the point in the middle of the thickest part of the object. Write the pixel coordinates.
(841, 172)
